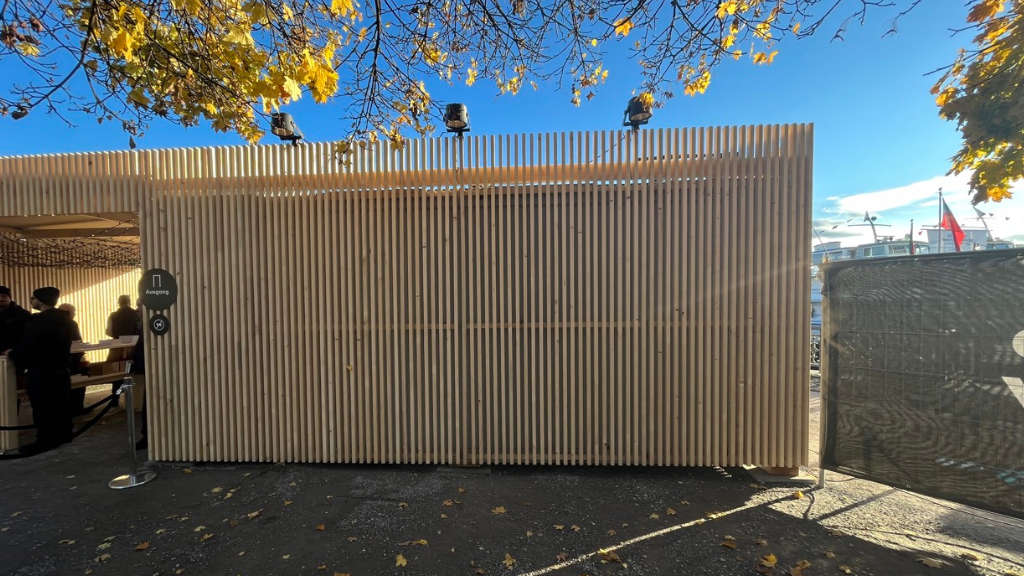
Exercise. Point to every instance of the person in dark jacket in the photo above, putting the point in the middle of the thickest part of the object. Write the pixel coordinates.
(45, 351)
(122, 322)
(12, 320)
(77, 394)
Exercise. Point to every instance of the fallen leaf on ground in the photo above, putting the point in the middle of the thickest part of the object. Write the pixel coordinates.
(216, 490)
(575, 528)
(234, 522)
(68, 542)
(247, 474)
(559, 526)
(103, 546)
(462, 490)
(453, 550)
(830, 554)
(242, 553)
(845, 569)
(529, 533)
(183, 518)
(403, 504)
(252, 515)
(457, 501)
(286, 556)
(729, 543)
(762, 542)
(142, 546)
(611, 532)
(179, 570)
(287, 502)
(970, 556)
(728, 537)
(70, 477)
(199, 528)
(670, 512)
(187, 470)
(4, 529)
(1013, 573)
(712, 514)
(798, 570)
(655, 516)
(624, 524)
(508, 561)
(229, 495)
(400, 560)
(109, 538)
(444, 516)
(161, 531)
(353, 538)
(480, 571)
(769, 561)
(102, 558)
(293, 484)
(206, 537)
(340, 573)
(448, 503)
(498, 510)
(931, 562)
(684, 502)
(836, 532)
(798, 495)
(561, 556)
(609, 556)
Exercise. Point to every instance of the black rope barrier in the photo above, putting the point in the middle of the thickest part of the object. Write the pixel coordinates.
(111, 402)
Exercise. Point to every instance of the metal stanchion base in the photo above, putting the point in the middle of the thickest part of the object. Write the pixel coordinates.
(131, 481)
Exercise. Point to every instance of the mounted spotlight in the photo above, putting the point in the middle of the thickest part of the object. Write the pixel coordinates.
(282, 125)
(636, 114)
(456, 118)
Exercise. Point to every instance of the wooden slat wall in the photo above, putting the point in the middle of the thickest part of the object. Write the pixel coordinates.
(93, 292)
(583, 298)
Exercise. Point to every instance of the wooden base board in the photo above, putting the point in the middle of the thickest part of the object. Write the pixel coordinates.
(780, 475)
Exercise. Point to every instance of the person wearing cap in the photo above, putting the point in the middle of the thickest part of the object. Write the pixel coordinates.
(45, 351)
(12, 320)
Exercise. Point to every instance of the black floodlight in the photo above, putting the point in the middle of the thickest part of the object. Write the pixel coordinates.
(282, 125)
(636, 113)
(456, 118)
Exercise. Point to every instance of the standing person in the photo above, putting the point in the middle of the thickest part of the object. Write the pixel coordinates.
(77, 394)
(122, 322)
(12, 320)
(45, 351)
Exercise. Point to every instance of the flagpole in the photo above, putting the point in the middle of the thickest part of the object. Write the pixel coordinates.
(941, 213)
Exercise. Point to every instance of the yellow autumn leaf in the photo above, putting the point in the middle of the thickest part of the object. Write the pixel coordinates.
(291, 89)
(206, 537)
(729, 543)
(400, 560)
(830, 554)
(796, 28)
(104, 546)
(122, 45)
(931, 562)
(321, 527)
(655, 516)
(593, 42)
(342, 7)
(798, 570)
(142, 546)
(845, 569)
(498, 510)
(28, 49)
(670, 512)
(769, 561)
(608, 556)
(622, 27)
(970, 556)
(102, 558)
(509, 561)
(797, 495)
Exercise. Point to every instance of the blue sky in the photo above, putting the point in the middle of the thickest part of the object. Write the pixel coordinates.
(879, 143)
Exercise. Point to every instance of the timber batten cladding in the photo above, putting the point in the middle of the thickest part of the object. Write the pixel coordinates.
(575, 298)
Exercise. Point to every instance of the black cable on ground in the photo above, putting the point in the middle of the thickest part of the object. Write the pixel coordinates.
(25, 427)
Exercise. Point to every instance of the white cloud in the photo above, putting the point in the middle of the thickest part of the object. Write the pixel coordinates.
(840, 218)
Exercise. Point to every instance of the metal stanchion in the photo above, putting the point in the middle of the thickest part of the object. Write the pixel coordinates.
(134, 477)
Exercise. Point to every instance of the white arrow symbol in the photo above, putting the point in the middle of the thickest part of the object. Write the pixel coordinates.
(1016, 386)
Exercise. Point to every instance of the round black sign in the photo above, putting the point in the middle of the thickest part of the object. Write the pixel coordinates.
(159, 324)
(158, 289)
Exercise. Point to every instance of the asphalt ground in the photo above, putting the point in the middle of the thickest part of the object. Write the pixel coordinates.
(57, 516)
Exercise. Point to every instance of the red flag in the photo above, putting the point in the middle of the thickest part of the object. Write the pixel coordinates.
(949, 223)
